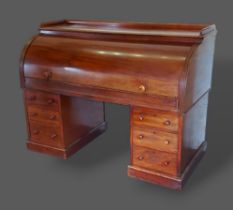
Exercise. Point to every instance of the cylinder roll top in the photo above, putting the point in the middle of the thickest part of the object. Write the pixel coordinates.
(153, 62)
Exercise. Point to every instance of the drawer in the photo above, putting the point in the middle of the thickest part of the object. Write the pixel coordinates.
(155, 139)
(42, 99)
(38, 114)
(110, 81)
(154, 118)
(155, 160)
(44, 134)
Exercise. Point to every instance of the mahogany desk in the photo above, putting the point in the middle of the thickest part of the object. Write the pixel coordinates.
(162, 71)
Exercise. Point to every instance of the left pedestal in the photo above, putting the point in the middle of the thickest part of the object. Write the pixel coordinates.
(61, 125)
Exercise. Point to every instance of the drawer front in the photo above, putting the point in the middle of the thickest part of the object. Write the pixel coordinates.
(154, 139)
(42, 99)
(38, 114)
(111, 81)
(155, 160)
(44, 134)
(154, 118)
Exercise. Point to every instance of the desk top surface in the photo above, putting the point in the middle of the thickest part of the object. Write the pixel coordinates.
(128, 28)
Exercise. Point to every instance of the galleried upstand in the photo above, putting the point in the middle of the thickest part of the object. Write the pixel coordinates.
(162, 71)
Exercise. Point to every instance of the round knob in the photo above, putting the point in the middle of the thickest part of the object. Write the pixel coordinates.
(50, 101)
(167, 122)
(141, 117)
(141, 136)
(166, 163)
(140, 157)
(47, 75)
(35, 132)
(142, 88)
(52, 117)
(32, 98)
(166, 142)
(53, 136)
(34, 114)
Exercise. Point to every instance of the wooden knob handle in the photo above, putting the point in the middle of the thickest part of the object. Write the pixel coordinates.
(141, 136)
(140, 157)
(50, 101)
(47, 75)
(166, 142)
(53, 136)
(32, 98)
(35, 132)
(167, 122)
(141, 117)
(142, 88)
(166, 163)
(52, 117)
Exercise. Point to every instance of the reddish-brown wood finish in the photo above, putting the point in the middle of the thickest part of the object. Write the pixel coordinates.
(167, 121)
(193, 130)
(165, 180)
(60, 122)
(155, 160)
(162, 71)
(155, 139)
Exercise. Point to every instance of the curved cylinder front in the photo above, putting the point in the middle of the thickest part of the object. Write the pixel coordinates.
(151, 69)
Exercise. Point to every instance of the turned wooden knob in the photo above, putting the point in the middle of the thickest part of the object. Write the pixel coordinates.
(141, 117)
(32, 98)
(141, 136)
(53, 136)
(50, 101)
(140, 157)
(166, 163)
(166, 142)
(52, 117)
(35, 132)
(142, 88)
(47, 75)
(167, 122)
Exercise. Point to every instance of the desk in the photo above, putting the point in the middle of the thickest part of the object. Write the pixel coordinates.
(162, 71)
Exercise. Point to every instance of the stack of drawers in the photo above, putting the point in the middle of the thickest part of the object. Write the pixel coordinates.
(154, 140)
(44, 118)
(61, 125)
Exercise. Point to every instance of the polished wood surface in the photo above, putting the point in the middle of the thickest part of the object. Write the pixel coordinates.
(162, 71)
(45, 134)
(193, 134)
(42, 115)
(186, 34)
(42, 100)
(61, 122)
(90, 63)
(155, 139)
(155, 160)
(155, 118)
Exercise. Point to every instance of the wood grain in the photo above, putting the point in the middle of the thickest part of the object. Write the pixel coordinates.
(162, 71)
(65, 123)
(42, 115)
(155, 118)
(45, 134)
(155, 160)
(155, 139)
